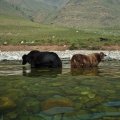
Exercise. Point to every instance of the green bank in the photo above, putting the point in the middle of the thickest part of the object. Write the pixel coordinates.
(19, 30)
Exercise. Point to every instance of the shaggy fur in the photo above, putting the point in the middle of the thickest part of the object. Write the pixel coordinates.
(39, 59)
(83, 61)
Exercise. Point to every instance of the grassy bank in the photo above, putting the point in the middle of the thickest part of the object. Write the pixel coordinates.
(21, 31)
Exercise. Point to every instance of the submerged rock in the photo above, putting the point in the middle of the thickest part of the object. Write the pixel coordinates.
(91, 95)
(32, 105)
(57, 106)
(113, 104)
(6, 104)
(56, 102)
(92, 103)
(58, 110)
(11, 116)
(96, 116)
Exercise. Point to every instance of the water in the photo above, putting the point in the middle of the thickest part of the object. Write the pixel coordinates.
(92, 94)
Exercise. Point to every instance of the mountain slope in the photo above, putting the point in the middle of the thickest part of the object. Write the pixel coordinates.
(7, 9)
(38, 10)
(34, 10)
(57, 3)
(90, 13)
(71, 13)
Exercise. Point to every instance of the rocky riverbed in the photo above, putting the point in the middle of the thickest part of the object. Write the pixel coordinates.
(64, 55)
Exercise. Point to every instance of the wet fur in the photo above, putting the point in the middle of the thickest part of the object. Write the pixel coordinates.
(86, 61)
(39, 59)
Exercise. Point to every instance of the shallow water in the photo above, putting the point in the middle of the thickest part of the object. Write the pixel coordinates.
(92, 94)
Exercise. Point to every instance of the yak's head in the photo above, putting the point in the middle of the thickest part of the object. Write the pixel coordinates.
(102, 55)
(24, 59)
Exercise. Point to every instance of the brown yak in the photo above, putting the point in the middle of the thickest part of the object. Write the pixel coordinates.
(86, 61)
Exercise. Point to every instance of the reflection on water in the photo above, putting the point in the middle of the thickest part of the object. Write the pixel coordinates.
(85, 71)
(41, 72)
(6, 70)
(54, 94)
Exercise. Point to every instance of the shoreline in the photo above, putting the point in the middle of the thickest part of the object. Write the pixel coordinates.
(64, 55)
(15, 52)
(50, 48)
(33, 47)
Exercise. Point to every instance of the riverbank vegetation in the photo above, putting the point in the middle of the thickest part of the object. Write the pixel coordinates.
(15, 31)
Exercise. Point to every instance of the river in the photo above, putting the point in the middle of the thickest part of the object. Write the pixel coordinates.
(46, 94)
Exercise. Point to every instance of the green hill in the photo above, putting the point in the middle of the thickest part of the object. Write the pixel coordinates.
(57, 3)
(8, 10)
(71, 13)
(42, 11)
(90, 13)
(32, 9)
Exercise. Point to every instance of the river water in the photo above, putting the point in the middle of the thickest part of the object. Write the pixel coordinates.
(42, 94)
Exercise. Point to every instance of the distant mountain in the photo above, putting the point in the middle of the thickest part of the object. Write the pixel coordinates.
(90, 13)
(7, 9)
(58, 3)
(71, 13)
(37, 10)
(32, 9)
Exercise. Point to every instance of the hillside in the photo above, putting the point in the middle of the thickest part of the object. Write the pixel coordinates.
(57, 3)
(36, 10)
(90, 13)
(7, 9)
(33, 10)
(71, 13)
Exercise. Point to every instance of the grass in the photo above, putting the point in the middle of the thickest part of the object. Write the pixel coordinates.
(14, 30)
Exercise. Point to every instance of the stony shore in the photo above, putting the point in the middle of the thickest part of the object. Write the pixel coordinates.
(64, 55)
